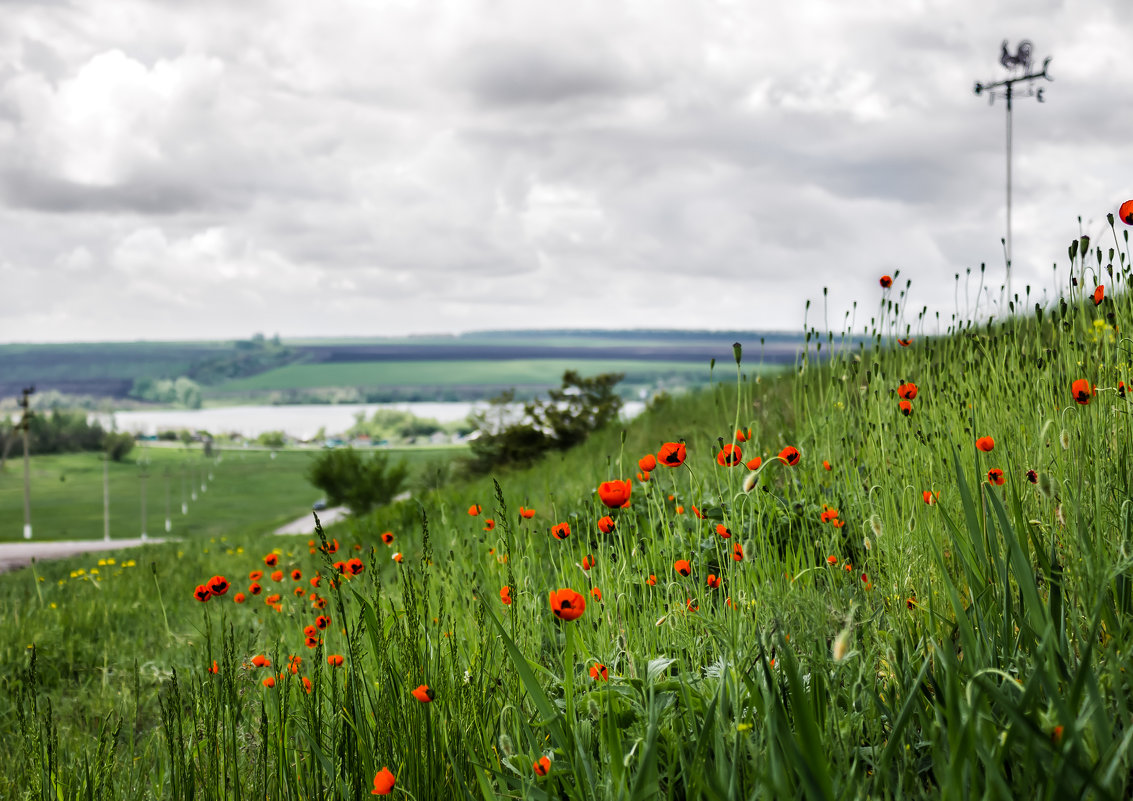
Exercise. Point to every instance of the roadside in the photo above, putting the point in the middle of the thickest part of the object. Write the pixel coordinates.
(15, 555)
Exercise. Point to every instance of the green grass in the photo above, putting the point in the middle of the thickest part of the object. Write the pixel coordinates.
(973, 646)
(518, 372)
(248, 487)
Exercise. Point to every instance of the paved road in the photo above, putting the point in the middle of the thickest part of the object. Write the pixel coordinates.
(306, 524)
(14, 555)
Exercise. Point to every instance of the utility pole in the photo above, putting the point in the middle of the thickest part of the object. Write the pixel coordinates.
(106, 497)
(1021, 59)
(168, 520)
(25, 424)
(143, 476)
(184, 500)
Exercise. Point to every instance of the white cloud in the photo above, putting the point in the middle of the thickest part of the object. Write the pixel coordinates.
(400, 166)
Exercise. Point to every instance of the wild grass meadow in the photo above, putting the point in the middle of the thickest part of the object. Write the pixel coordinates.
(903, 571)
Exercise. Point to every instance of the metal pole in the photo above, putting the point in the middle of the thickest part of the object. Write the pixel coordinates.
(1009, 87)
(26, 423)
(106, 497)
(168, 521)
(143, 478)
(27, 486)
(184, 501)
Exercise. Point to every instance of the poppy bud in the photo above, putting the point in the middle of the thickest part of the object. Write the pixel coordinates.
(841, 645)
(737, 351)
(507, 748)
(1046, 485)
(1064, 439)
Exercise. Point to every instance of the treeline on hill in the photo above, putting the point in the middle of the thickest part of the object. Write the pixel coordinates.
(62, 432)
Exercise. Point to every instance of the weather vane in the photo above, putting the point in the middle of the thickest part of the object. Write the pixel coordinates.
(1020, 64)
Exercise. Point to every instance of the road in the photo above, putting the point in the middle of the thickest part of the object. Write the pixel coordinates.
(306, 523)
(14, 555)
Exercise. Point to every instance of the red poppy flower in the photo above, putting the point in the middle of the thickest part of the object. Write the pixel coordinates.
(423, 693)
(310, 631)
(542, 766)
(1121, 388)
(837, 523)
(985, 444)
(828, 514)
(560, 531)
(606, 524)
(277, 575)
(474, 509)
(692, 605)
(738, 552)
(754, 464)
(239, 597)
(335, 660)
(269, 682)
(598, 672)
(723, 531)
(596, 594)
(259, 660)
(642, 477)
(566, 604)
(313, 642)
(832, 560)
(729, 456)
(383, 782)
(330, 547)
(682, 566)
(1082, 391)
(647, 463)
(743, 434)
(397, 557)
(489, 524)
(526, 513)
(651, 581)
(307, 685)
(505, 595)
(271, 560)
(614, 494)
(202, 593)
(886, 281)
(826, 465)
(930, 497)
(296, 575)
(339, 566)
(906, 407)
(910, 603)
(713, 581)
(680, 509)
(1099, 295)
(672, 454)
(1032, 476)
(255, 588)
(699, 515)
(588, 561)
(215, 668)
(904, 343)
(272, 599)
(293, 663)
(322, 621)
(387, 537)
(255, 575)
(1125, 213)
(995, 476)
(790, 455)
(907, 391)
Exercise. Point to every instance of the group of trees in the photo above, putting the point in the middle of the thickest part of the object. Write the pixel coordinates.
(571, 413)
(358, 480)
(181, 391)
(63, 432)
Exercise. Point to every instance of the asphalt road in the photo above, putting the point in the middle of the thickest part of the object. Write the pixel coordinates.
(14, 555)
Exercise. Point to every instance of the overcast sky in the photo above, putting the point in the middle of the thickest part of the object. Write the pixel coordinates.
(209, 169)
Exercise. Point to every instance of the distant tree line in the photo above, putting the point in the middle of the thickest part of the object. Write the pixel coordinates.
(62, 432)
(181, 391)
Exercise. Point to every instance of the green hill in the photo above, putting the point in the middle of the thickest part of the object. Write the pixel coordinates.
(902, 613)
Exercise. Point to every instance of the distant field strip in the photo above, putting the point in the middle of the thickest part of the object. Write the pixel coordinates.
(517, 372)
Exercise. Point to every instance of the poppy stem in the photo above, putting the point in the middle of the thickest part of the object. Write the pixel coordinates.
(568, 674)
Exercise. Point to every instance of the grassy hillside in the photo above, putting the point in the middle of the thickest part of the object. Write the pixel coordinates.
(901, 613)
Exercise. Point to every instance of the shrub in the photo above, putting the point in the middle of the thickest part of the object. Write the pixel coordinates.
(359, 481)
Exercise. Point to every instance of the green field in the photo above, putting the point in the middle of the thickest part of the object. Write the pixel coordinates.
(249, 488)
(516, 372)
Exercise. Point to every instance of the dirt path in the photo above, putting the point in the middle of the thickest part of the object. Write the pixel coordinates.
(14, 555)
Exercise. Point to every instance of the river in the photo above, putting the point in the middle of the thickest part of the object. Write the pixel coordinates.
(299, 421)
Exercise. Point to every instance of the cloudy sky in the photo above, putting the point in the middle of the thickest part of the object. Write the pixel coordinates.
(208, 169)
